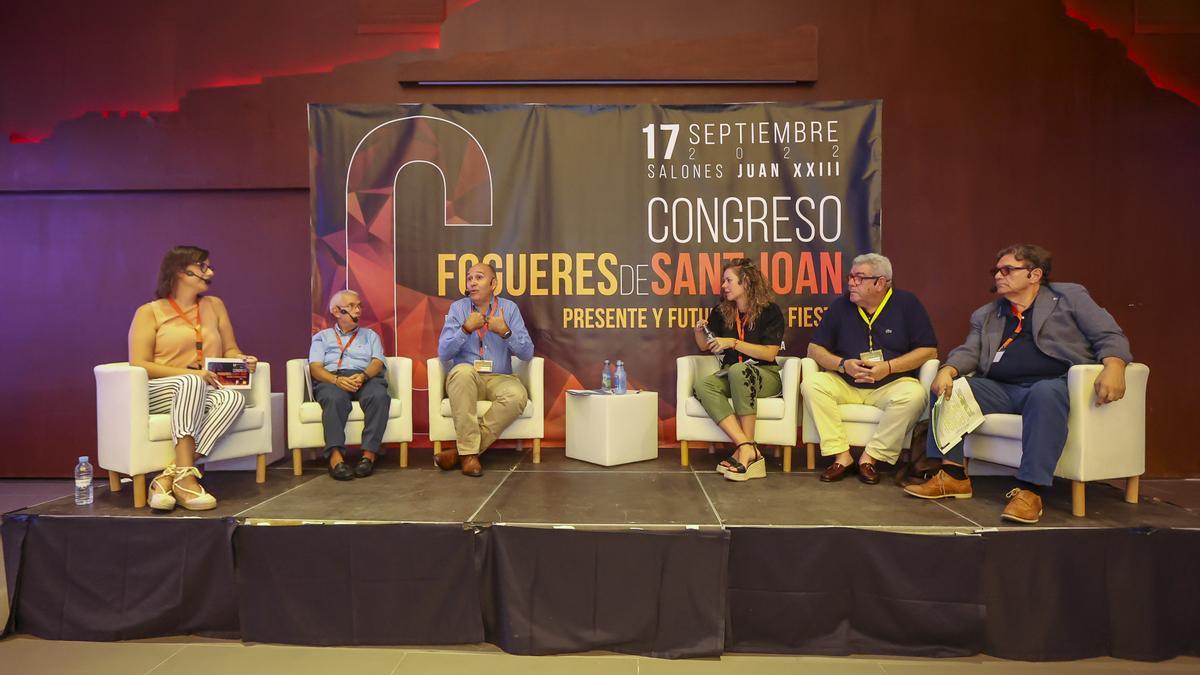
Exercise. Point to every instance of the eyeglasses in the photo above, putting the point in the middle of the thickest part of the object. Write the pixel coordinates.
(1007, 270)
(204, 267)
(859, 279)
(347, 308)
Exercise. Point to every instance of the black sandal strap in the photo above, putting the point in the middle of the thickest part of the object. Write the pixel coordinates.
(736, 466)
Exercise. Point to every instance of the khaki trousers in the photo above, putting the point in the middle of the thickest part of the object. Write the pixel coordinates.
(901, 400)
(465, 388)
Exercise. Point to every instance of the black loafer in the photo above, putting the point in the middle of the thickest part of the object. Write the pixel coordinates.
(365, 468)
(341, 472)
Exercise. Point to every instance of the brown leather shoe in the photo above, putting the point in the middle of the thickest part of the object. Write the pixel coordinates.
(1023, 506)
(471, 466)
(836, 472)
(446, 459)
(867, 473)
(941, 486)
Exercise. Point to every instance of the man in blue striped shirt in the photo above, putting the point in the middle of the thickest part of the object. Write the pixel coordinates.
(481, 334)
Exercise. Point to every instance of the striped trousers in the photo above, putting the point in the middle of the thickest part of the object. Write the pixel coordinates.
(197, 411)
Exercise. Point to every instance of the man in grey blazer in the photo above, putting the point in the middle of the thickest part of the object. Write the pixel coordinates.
(1019, 349)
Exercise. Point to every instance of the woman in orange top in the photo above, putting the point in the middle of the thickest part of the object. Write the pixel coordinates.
(170, 337)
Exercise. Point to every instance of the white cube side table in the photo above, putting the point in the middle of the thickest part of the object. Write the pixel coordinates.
(611, 429)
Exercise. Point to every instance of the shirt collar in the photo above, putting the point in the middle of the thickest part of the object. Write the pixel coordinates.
(338, 329)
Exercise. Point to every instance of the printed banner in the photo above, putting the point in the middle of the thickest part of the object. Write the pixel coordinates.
(608, 225)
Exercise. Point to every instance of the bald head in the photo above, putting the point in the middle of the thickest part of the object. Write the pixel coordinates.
(481, 283)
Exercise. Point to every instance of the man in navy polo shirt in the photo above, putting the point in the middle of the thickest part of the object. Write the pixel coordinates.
(870, 344)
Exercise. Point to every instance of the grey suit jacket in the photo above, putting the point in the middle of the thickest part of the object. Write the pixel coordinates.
(1067, 325)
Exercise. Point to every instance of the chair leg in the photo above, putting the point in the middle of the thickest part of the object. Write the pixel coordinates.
(297, 461)
(260, 469)
(114, 481)
(139, 491)
(404, 455)
(787, 459)
(1131, 489)
(812, 455)
(537, 451)
(1078, 506)
(683, 450)
(778, 451)
(437, 450)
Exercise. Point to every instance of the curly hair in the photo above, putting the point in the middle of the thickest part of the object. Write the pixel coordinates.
(175, 261)
(757, 293)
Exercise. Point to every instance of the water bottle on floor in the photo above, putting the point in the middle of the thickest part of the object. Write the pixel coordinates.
(621, 381)
(83, 482)
(606, 376)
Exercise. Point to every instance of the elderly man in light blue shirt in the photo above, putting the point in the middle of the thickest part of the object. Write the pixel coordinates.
(481, 334)
(347, 364)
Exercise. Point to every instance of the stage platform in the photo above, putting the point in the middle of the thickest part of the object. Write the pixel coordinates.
(648, 558)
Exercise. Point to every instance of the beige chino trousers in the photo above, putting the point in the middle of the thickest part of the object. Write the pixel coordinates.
(465, 388)
(901, 401)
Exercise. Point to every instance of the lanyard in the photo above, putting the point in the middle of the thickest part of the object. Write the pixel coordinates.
(339, 341)
(875, 315)
(483, 330)
(1017, 331)
(741, 329)
(199, 338)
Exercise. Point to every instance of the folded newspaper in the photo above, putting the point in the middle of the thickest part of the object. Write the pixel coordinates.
(955, 417)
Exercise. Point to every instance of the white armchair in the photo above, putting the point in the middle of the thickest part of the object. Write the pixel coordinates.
(304, 414)
(531, 425)
(1103, 442)
(777, 416)
(133, 442)
(860, 420)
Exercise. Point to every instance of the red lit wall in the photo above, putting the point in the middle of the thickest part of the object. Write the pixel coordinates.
(1003, 122)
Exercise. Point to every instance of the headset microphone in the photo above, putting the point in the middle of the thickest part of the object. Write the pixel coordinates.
(993, 289)
(345, 313)
(198, 276)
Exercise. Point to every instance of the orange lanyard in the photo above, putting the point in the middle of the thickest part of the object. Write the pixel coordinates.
(339, 341)
(484, 329)
(741, 329)
(199, 338)
(1020, 320)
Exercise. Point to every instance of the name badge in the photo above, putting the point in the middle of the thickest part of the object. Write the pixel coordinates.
(872, 356)
(483, 366)
(999, 355)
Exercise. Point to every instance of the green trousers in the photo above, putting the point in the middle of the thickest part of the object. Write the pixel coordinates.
(745, 383)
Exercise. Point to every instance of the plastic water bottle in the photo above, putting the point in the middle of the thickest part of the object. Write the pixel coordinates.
(83, 482)
(621, 381)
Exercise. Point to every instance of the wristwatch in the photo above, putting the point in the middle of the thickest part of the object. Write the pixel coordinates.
(842, 366)
(507, 335)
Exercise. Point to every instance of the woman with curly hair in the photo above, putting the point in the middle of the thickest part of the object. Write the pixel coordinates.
(746, 330)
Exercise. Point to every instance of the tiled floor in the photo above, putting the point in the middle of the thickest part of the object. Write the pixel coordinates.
(559, 490)
(25, 655)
